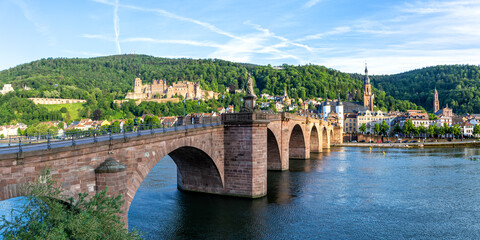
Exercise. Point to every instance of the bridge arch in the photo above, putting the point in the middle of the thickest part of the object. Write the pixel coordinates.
(331, 138)
(296, 144)
(274, 160)
(196, 169)
(325, 138)
(315, 143)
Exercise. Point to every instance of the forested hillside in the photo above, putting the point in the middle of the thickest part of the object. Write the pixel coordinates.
(457, 85)
(101, 80)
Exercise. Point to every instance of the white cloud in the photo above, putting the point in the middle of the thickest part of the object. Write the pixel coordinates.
(335, 31)
(311, 3)
(98, 36)
(173, 16)
(116, 26)
(184, 42)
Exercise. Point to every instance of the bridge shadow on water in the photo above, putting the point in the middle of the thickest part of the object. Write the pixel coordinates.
(161, 211)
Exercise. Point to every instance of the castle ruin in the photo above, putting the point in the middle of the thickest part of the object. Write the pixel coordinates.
(160, 89)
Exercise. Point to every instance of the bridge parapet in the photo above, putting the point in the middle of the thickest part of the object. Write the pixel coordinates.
(248, 117)
(286, 116)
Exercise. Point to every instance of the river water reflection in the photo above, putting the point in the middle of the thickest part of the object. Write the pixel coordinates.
(346, 193)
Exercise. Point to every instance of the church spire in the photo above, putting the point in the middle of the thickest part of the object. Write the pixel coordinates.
(367, 79)
(436, 103)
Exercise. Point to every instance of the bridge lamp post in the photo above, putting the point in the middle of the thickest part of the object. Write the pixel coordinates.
(241, 100)
(183, 107)
(223, 102)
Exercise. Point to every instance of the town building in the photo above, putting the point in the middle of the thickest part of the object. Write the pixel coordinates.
(467, 128)
(369, 118)
(350, 123)
(419, 118)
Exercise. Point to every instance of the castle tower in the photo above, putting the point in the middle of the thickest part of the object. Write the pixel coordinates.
(137, 88)
(436, 103)
(367, 91)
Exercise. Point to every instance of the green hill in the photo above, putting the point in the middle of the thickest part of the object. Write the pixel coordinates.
(101, 80)
(457, 85)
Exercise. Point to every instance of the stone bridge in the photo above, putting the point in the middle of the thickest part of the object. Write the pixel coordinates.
(231, 158)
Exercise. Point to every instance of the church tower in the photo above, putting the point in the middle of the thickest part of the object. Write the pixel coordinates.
(436, 103)
(367, 91)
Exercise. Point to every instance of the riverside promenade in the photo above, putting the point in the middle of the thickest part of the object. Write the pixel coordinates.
(452, 144)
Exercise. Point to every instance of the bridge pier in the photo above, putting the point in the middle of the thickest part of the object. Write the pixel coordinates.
(245, 144)
(113, 175)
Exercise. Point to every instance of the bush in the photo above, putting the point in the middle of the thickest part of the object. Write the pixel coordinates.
(49, 215)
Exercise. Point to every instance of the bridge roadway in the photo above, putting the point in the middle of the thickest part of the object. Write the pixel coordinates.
(15, 148)
(230, 157)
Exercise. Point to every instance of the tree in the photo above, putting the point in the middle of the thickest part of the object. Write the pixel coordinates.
(97, 114)
(422, 129)
(431, 129)
(376, 128)
(363, 128)
(397, 129)
(432, 116)
(47, 214)
(476, 129)
(456, 130)
(446, 129)
(384, 128)
(409, 127)
(63, 110)
(61, 125)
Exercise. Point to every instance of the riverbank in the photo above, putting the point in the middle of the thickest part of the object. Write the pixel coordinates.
(453, 144)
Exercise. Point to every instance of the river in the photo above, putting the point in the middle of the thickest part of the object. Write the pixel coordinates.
(346, 193)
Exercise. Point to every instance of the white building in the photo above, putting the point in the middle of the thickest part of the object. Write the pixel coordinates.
(11, 130)
(467, 129)
(7, 88)
(369, 118)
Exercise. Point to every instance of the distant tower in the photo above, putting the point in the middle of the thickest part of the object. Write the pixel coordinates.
(367, 91)
(326, 109)
(138, 86)
(436, 104)
(339, 111)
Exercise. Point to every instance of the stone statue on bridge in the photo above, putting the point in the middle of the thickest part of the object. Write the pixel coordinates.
(250, 98)
(250, 90)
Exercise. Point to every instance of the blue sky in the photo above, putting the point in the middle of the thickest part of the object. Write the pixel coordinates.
(392, 36)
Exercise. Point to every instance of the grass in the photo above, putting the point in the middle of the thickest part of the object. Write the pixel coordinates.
(72, 108)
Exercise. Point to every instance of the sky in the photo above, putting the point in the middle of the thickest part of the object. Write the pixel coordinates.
(391, 36)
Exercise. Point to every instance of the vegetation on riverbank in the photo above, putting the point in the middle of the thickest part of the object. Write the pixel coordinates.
(48, 214)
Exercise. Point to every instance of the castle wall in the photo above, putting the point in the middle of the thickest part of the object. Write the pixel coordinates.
(52, 101)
